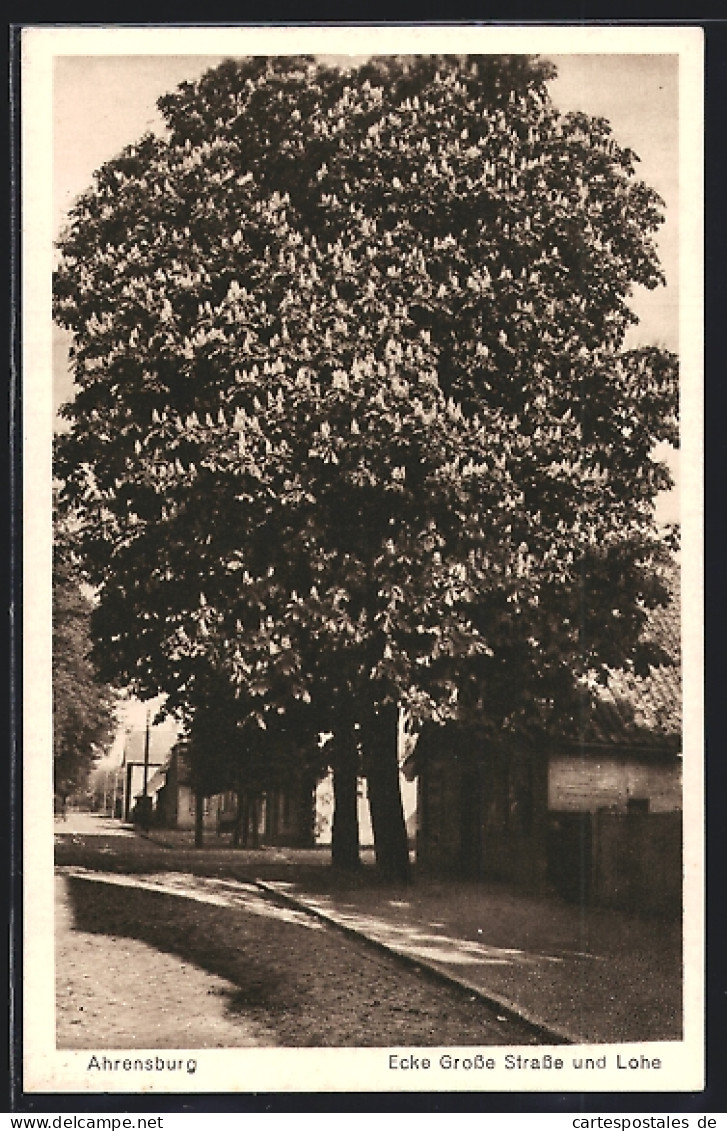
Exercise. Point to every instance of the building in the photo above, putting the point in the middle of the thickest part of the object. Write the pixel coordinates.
(175, 802)
(134, 783)
(280, 815)
(296, 812)
(594, 813)
(152, 744)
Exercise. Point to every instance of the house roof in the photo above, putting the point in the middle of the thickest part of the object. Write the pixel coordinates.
(155, 782)
(642, 710)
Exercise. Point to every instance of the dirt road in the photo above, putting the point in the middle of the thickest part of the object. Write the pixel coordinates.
(154, 958)
(118, 992)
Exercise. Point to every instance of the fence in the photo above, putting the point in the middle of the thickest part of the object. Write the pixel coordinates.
(631, 861)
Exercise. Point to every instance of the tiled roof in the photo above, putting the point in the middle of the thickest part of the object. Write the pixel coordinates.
(643, 710)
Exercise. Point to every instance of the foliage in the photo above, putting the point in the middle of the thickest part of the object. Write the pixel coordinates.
(227, 753)
(354, 424)
(83, 708)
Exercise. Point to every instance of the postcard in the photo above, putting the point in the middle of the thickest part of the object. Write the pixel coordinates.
(362, 614)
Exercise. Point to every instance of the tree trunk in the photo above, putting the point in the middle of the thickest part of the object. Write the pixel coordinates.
(237, 828)
(198, 820)
(255, 820)
(391, 846)
(344, 833)
(245, 820)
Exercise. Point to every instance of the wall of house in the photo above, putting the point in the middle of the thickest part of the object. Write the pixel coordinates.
(481, 810)
(515, 816)
(225, 805)
(562, 822)
(589, 782)
(186, 807)
(324, 806)
(614, 834)
(284, 816)
(438, 838)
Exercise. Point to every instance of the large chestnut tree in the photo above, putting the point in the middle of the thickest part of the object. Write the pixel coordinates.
(355, 427)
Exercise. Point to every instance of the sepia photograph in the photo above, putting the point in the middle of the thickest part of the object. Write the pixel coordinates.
(362, 391)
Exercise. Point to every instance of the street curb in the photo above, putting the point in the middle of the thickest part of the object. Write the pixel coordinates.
(553, 1034)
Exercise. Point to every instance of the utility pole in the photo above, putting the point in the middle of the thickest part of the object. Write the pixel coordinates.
(124, 780)
(115, 802)
(144, 802)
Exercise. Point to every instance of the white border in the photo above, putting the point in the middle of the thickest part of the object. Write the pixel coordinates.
(48, 1070)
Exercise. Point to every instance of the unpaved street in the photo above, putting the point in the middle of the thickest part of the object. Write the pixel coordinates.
(204, 964)
(118, 992)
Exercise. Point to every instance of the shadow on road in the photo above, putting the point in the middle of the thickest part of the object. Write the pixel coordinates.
(217, 939)
(303, 980)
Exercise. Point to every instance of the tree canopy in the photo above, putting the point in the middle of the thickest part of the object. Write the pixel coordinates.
(355, 425)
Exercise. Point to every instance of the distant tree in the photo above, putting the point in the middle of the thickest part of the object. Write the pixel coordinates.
(83, 707)
(355, 424)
